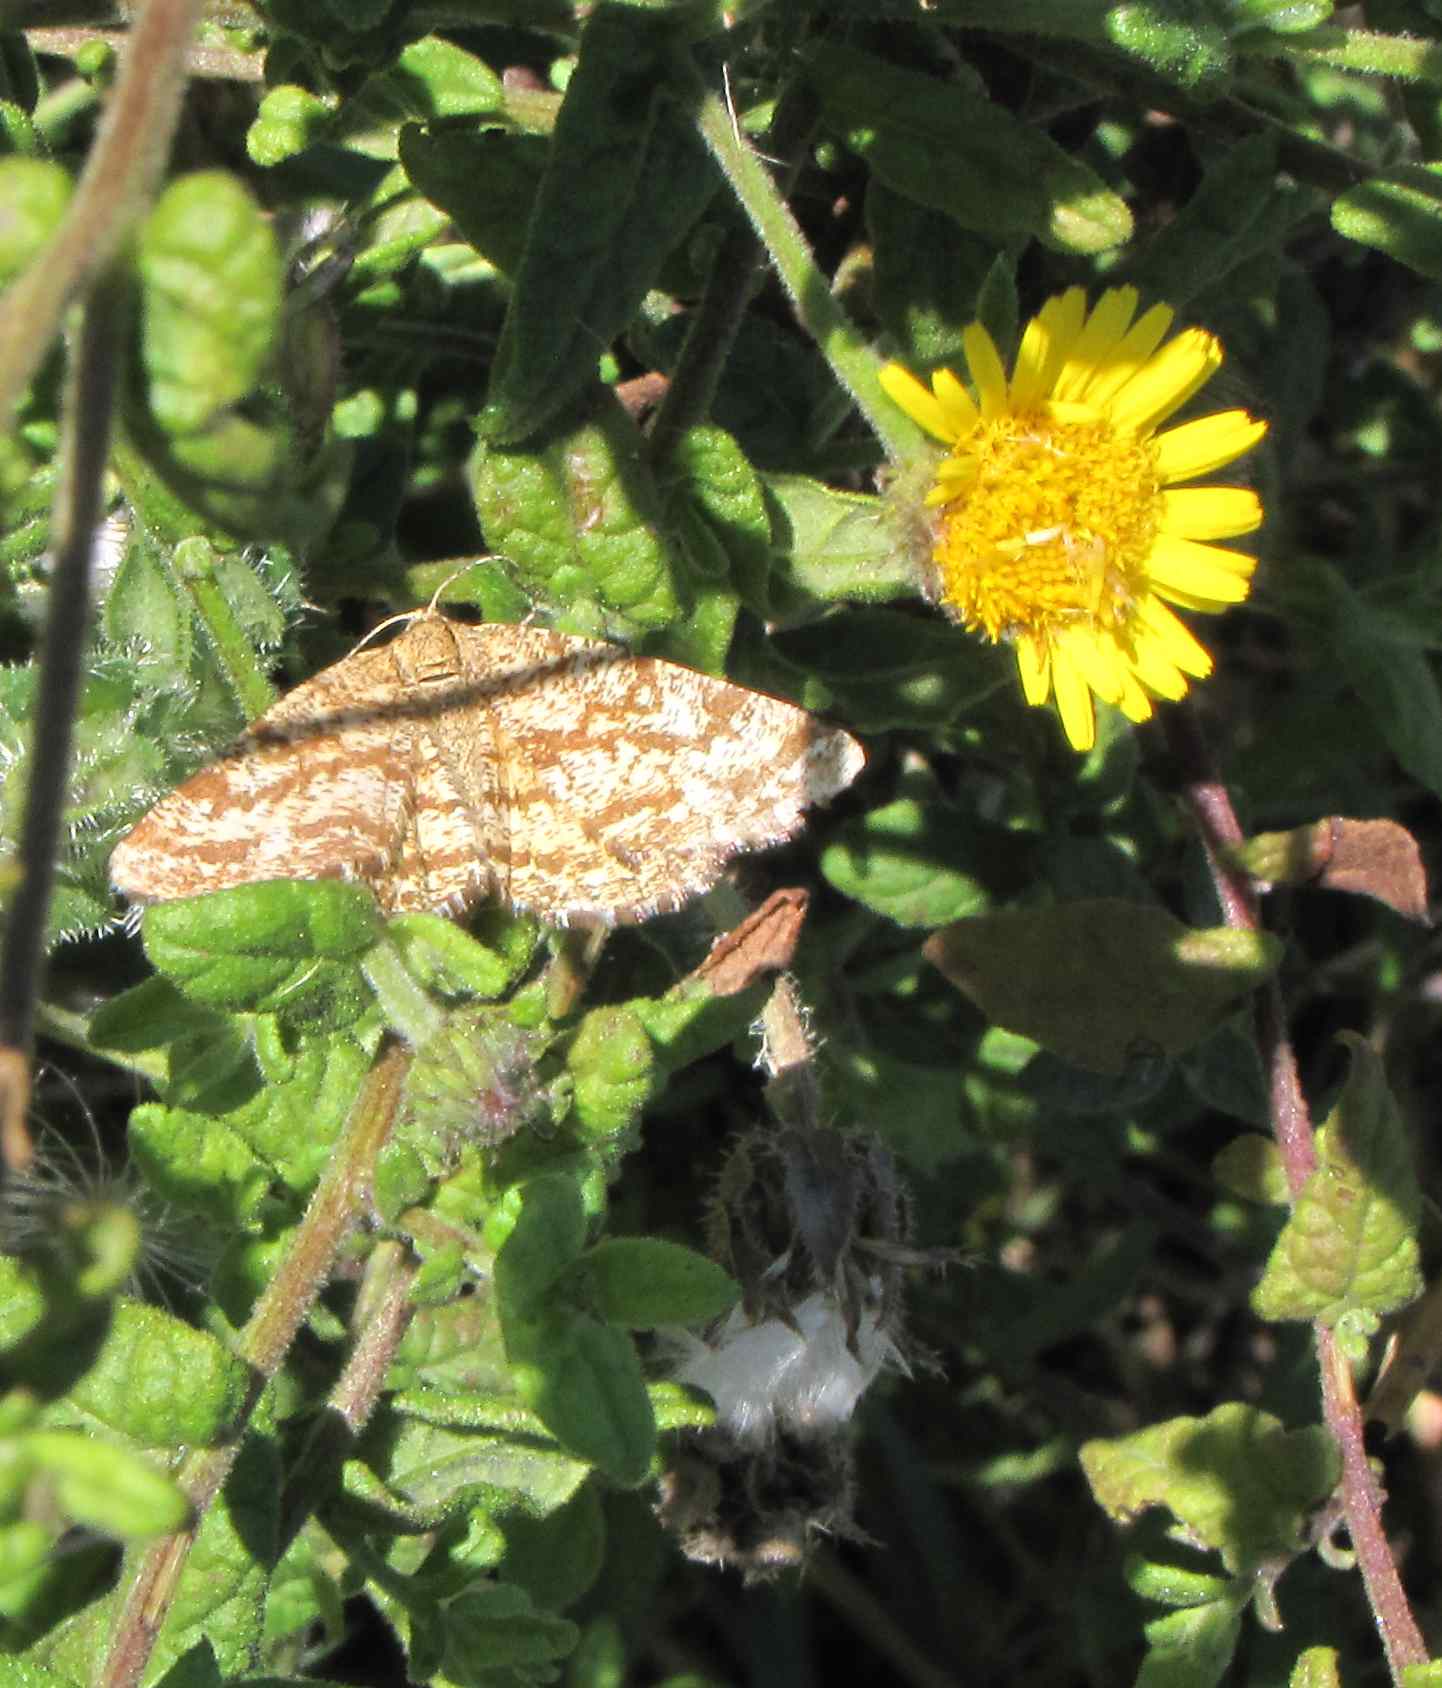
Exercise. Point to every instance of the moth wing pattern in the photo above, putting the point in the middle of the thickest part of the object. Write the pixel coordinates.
(319, 787)
(632, 781)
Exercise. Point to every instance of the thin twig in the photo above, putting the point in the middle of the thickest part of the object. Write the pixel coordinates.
(79, 505)
(263, 1345)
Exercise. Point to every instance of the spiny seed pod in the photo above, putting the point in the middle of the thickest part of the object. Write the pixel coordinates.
(475, 1081)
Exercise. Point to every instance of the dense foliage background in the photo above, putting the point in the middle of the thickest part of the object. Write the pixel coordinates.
(346, 1247)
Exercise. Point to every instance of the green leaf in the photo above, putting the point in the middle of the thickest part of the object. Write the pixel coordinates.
(196, 1058)
(1192, 1648)
(143, 611)
(538, 1229)
(161, 1382)
(834, 545)
(886, 669)
(107, 1487)
(1100, 981)
(642, 1282)
(443, 958)
(909, 862)
(438, 1472)
(556, 1559)
(289, 120)
(612, 1063)
(285, 944)
(710, 476)
(583, 1381)
(200, 1164)
(211, 294)
(486, 181)
(1251, 1167)
(1236, 1480)
(22, 1301)
(625, 179)
(929, 276)
(1395, 682)
(1236, 212)
(1351, 1243)
(1316, 1667)
(33, 196)
(1398, 212)
(495, 1628)
(949, 148)
(293, 1123)
(581, 520)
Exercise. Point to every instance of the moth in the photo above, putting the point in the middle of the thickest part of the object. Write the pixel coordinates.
(564, 776)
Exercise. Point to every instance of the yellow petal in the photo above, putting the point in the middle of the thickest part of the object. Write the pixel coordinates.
(1200, 447)
(1097, 341)
(905, 391)
(956, 403)
(1210, 512)
(1198, 572)
(1165, 382)
(987, 372)
(1074, 700)
(1155, 669)
(1096, 384)
(1134, 702)
(1096, 659)
(1033, 664)
(1044, 347)
(1177, 640)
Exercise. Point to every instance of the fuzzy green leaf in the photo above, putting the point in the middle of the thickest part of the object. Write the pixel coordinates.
(494, 1627)
(107, 1487)
(909, 861)
(445, 959)
(438, 1471)
(160, 1382)
(293, 1123)
(196, 1058)
(580, 519)
(1399, 213)
(1235, 1480)
(958, 152)
(211, 295)
(834, 545)
(538, 1229)
(220, 1597)
(584, 1382)
(198, 1163)
(625, 179)
(1097, 982)
(612, 1063)
(1192, 1648)
(486, 181)
(639, 1283)
(1351, 1243)
(284, 944)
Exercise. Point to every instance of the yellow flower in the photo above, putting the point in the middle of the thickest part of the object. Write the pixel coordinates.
(1060, 526)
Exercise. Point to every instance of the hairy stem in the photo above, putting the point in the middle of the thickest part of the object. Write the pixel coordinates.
(853, 362)
(263, 1344)
(1216, 821)
(78, 508)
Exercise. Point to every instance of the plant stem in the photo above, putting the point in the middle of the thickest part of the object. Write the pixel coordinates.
(854, 363)
(79, 505)
(263, 1344)
(1216, 821)
(120, 174)
(382, 1312)
(735, 276)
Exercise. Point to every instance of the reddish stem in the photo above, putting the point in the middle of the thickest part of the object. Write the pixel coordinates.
(1210, 804)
